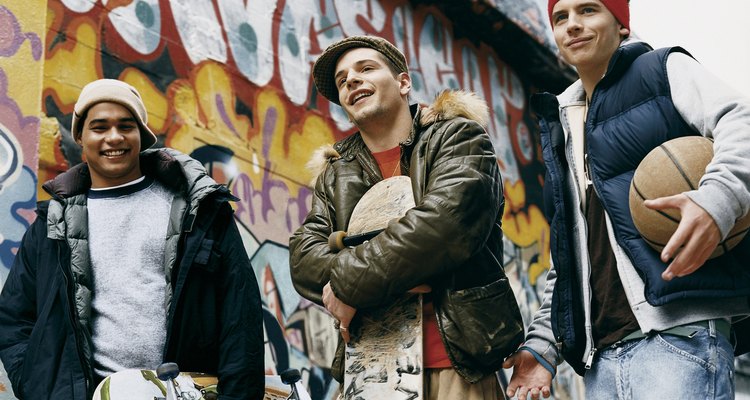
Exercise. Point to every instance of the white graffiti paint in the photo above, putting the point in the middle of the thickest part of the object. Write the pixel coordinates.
(499, 122)
(436, 57)
(249, 25)
(139, 24)
(352, 13)
(326, 24)
(11, 158)
(403, 32)
(472, 78)
(200, 30)
(295, 63)
(80, 6)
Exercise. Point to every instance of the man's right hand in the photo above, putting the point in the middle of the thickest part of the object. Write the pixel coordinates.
(342, 312)
(529, 377)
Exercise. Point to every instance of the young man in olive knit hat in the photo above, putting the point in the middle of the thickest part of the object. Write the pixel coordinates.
(636, 323)
(450, 244)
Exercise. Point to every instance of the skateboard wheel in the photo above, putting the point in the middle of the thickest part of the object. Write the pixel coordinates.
(167, 371)
(336, 241)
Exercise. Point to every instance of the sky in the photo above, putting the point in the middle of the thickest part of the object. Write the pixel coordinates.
(715, 32)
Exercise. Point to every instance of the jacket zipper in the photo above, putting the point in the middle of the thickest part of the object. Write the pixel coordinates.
(369, 170)
(75, 322)
(589, 181)
(590, 359)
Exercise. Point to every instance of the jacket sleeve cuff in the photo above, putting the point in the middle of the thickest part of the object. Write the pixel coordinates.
(541, 360)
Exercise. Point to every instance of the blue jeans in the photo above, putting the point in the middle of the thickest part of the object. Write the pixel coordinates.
(663, 366)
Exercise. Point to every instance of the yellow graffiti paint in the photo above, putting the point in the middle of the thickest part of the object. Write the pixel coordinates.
(51, 161)
(72, 64)
(525, 225)
(155, 101)
(205, 107)
(315, 132)
(24, 73)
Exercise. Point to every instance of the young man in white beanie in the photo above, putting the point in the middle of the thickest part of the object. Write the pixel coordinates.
(134, 261)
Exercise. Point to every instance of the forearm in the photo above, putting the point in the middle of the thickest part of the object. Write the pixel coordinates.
(459, 206)
(539, 336)
(309, 264)
(309, 254)
(719, 112)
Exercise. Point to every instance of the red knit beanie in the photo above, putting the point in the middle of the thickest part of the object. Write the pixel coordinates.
(618, 8)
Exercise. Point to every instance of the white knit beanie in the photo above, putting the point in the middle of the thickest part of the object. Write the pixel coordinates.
(112, 90)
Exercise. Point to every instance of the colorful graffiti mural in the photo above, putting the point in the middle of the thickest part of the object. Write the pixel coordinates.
(229, 82)
(21, 62)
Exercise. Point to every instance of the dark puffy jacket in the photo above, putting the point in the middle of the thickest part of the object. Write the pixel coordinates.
(451, 240)
(214, 318)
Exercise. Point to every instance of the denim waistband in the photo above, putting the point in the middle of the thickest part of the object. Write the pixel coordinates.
(687, 330)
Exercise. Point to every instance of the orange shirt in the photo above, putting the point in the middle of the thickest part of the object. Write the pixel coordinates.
(435, 355)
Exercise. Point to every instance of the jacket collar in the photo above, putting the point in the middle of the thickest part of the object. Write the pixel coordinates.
(621, 60)
(170, 167)
(448, 105)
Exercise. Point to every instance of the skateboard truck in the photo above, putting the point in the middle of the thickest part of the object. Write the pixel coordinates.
(168, 372)
(291, 376)
(339, 240)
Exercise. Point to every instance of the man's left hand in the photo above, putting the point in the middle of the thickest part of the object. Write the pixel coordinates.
(341, 311)
(695, 239)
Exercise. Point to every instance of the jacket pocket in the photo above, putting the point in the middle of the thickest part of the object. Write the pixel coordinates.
(207, 257)
(482, 324)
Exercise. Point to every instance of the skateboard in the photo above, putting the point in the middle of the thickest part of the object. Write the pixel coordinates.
(384, 354)
(167, 383)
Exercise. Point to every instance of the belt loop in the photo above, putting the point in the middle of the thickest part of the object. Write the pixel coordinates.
(712, 328)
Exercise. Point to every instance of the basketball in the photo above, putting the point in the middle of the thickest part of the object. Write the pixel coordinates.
(674, 167)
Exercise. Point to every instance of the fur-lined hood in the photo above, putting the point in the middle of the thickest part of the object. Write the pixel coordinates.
(448, 105)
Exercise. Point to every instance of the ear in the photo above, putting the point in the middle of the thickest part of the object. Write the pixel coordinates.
(404, 82)
(624, 32)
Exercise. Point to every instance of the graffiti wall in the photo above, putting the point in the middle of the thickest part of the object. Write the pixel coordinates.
(229, 82)
(22, 33)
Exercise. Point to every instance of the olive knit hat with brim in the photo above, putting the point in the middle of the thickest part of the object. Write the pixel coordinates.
(112, 90)
(325, 65)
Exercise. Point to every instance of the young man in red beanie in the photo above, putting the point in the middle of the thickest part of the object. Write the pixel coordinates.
(636, 323)
(135, 261)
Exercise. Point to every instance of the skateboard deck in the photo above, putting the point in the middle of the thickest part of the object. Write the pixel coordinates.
(384, 354)
(136, 384)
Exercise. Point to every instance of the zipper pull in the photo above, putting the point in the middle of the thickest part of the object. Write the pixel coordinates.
(590, 360)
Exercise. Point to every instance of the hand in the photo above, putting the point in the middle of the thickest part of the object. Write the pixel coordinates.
(342, 312)
(695, 239)
(423, 288)
(529, 377)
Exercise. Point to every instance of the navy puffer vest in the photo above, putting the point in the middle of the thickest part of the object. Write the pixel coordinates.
(631, 113)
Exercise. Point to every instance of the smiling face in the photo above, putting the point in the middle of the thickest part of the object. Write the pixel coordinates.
(586, 33)
(368, 88)
(111, 142)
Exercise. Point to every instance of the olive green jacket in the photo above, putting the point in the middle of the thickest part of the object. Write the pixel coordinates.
(451, 240)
